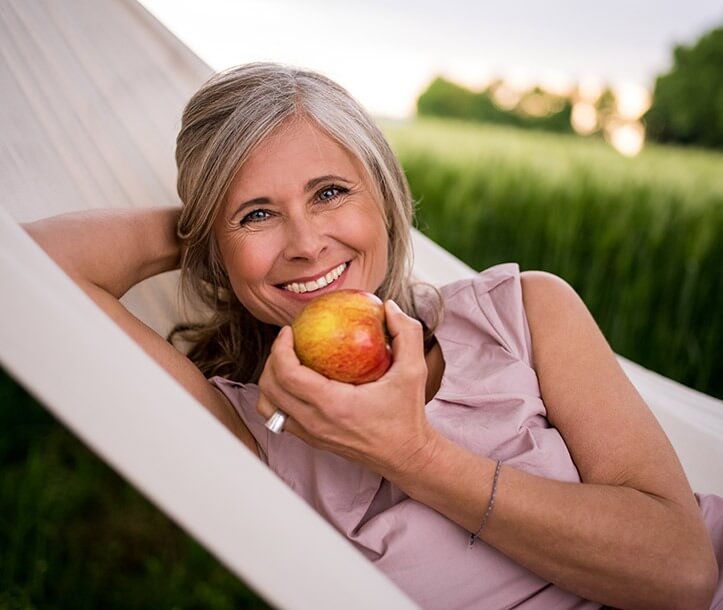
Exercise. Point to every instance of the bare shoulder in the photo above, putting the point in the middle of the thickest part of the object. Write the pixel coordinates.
(612, 435)
(549, 296)
(566, 340)
(542, 278)
(559, 319)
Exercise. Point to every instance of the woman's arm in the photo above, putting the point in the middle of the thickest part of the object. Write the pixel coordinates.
(106, 252)
(630, 536)
(111, 249)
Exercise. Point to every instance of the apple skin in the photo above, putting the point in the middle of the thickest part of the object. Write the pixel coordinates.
(343, 336)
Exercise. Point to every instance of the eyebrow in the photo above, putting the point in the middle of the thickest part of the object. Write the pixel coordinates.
(310, 185)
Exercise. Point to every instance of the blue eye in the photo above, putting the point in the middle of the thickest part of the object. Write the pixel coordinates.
(331, 192)
(255, 216)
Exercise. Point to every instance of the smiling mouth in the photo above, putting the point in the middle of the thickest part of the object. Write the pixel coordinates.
(318, 283)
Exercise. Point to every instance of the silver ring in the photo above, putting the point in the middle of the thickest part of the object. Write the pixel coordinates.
(276, 422)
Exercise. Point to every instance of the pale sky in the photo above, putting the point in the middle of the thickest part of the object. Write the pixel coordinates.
(386, 52)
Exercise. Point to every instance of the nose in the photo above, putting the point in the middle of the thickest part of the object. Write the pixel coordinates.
(305, 238)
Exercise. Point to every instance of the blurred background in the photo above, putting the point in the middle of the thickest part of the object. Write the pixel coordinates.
(582, 139)
(594, 65)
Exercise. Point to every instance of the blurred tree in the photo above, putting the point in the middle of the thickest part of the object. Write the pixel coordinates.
(606, 105)
(536, 109)
(539, 109)
(688, 101)
(447, 99)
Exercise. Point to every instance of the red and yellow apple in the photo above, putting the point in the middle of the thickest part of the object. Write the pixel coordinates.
(343, 336)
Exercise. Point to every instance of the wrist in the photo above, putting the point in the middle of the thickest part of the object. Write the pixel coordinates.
(413, 459)
(161, 239)
(451, 480)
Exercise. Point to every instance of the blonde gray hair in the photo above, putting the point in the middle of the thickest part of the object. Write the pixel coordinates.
(223, 122)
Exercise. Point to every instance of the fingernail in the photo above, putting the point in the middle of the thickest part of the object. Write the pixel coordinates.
(394, 306)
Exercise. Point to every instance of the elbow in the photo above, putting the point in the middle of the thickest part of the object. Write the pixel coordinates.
(696, 585)
(31, 229)
(37, 231)
(705, 584)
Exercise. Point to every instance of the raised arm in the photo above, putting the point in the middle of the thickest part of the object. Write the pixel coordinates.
(110, 249)
(106, 252)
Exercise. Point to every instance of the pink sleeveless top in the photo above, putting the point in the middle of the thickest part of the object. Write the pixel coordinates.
(489, 402)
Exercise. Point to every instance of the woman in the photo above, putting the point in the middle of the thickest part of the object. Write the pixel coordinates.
(504, 450)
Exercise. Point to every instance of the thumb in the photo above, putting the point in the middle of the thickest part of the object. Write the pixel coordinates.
(283, 345)
(406, 332)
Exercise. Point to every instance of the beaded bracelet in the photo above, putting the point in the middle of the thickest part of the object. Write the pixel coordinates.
(473, 537)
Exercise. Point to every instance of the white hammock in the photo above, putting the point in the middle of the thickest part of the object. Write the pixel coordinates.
(92, 95)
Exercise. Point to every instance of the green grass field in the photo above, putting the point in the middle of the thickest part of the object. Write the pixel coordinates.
(638, 238)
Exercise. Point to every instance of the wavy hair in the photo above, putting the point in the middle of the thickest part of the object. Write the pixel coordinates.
(221, 125)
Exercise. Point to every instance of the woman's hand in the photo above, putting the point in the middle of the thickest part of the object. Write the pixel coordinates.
(381, 424)
(629, 536)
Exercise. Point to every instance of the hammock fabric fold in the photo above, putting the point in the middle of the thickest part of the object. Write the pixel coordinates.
(92, 98)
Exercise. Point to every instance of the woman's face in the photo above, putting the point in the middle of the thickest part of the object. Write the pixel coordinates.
(300, 220)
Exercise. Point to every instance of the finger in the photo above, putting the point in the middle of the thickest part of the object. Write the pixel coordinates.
(284, 362)
(294, 410)
(283, 346)
(265, 407)
(407, 335)
(273, 396)
(298, 380)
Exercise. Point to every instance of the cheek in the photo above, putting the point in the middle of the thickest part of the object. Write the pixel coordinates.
(381, 237)
(377, 243)
(383, 262)
(246, 262)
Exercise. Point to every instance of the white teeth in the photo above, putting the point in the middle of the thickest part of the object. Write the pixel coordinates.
(321, 282)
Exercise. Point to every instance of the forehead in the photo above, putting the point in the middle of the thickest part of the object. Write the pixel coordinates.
(294, 153)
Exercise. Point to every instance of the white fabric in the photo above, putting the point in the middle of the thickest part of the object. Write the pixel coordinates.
(98, 382)
(92, 93)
